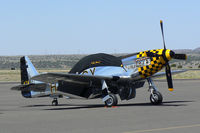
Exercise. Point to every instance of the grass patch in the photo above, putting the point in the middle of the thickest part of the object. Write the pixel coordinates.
(14, 75)
(191, 74)
(10, 75)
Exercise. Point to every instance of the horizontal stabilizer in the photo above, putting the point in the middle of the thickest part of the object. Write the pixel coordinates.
(31, 87)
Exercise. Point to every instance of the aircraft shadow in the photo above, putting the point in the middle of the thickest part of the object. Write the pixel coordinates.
(76, 106)
(93, 106)
(166, 103)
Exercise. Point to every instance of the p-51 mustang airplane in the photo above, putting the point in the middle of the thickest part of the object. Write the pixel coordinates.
(101, 76)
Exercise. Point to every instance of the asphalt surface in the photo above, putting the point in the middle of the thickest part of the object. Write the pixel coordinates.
(180, 113)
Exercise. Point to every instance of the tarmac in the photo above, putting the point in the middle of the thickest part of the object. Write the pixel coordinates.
(179, 113)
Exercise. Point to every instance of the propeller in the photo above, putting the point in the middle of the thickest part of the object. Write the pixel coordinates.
(169, 77)
(174, 55)
(167, 56)
(180, 56)
(167, 67)
(161, 26)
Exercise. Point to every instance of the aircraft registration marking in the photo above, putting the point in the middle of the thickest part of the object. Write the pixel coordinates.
(143, 62)
(26, 82)
(91, 70)
(95, 62)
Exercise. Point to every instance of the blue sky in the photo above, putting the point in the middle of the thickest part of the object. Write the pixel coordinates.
(30, 27)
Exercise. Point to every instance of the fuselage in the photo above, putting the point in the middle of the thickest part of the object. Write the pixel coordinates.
(137, 66)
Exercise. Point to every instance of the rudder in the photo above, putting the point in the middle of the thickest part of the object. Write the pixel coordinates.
(27, 71)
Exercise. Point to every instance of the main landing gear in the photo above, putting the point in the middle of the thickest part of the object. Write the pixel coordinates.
(53, 95)
(155, 97)
(108, 98)
(112, 101)
(55, 102)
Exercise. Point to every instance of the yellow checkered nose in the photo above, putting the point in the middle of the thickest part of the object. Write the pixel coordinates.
(168, 54)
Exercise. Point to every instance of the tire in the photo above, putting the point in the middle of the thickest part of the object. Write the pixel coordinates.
(55, 103)
(112, 101)
(157, 98)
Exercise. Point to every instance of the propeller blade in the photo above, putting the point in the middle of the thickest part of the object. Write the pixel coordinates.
(169, 77)
(161, 26)
(180, 56)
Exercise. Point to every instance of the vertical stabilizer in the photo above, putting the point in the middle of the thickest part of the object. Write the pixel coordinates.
(27, 70)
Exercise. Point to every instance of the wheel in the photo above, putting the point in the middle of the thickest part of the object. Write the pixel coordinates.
(112, 101)
(55, 102)
(156, 98)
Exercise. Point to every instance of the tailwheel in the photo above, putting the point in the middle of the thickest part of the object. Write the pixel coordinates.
(112, 101)
(55, 102)
(156, 98)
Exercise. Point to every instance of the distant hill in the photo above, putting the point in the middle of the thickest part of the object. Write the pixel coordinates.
(188, 51)
(68, 61)
(41, 61)
(197, 50)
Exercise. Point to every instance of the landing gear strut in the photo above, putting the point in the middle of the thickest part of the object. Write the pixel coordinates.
(55, 102)
(155, 97)
(108, 98)
(53, 94)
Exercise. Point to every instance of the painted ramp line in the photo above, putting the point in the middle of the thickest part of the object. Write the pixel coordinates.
(164, 129)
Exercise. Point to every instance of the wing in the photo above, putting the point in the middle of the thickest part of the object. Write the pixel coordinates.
(75, 78)
(31, 87)
(161, 74)
(86, 79)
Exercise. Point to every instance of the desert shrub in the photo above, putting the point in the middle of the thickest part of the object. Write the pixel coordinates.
(180, 66)
(173, 65)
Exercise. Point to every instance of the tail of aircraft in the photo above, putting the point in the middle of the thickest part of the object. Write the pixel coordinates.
(30, 88)
(27, 71)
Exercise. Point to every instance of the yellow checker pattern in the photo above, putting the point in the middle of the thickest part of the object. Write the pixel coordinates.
(156, 64)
